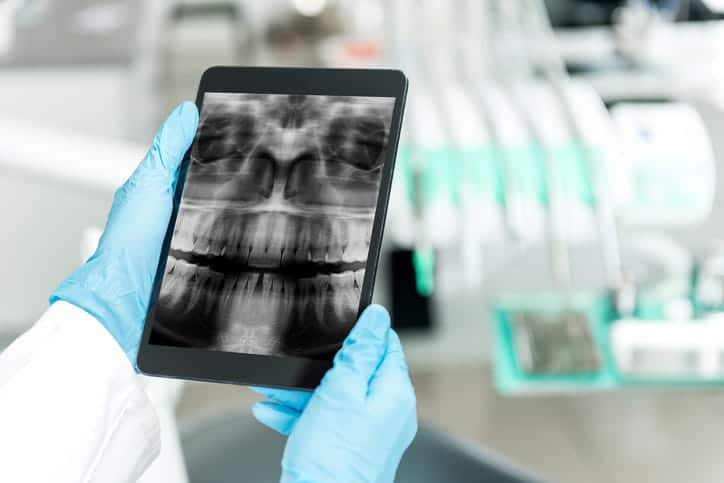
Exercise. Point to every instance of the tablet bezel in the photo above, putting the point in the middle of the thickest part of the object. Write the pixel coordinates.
(262, 370)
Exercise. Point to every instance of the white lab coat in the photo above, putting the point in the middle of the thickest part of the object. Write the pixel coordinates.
(72, 409)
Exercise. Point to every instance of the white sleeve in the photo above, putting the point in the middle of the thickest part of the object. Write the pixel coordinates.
(72, 409)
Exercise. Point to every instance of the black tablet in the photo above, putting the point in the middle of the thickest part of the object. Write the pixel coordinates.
(272, 248)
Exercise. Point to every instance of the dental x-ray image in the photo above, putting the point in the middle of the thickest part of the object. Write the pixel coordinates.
(272, 235)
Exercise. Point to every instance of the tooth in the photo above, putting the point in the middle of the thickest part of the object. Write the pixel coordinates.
(342, 301)
(208, 301)
(217, 247)
(217, 235)
(321, 294)
(306, 313)
(202, 231)
(268, 301)
(288, 296)
(235, 294)
(267, 286)
(248, 298)
(258, 256)
(320, 240)
(178, 231)
(223, 231)
(181, 217)
(197, 283)
(251, 281)
(302, 252)
(228, 288)
(170, 264)
(336, 242)
(292, 335)
(278, 238)
(283, 256)
(343, 233)
(359, 277)
(309, 317)
(246, 245)
(201, 244)
(230, 303)
(217, 283)
(184, 228)
(234, 235)
(173, 291)
(186, 242)
(316, 254)
(356, 250)
(172, 283)
(352, 250)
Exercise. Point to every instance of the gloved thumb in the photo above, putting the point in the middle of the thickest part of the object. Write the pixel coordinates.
(171, 142)
(361, 354)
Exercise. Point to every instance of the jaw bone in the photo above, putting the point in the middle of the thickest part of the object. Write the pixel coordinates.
(254, 312)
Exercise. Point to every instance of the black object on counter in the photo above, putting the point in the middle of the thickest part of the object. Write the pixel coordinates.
(410, 309)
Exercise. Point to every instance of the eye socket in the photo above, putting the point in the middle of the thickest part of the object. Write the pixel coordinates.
(210, 146)
(223, 135)
(216, 121)
(356, 140)
(243, 131)
(336, 132)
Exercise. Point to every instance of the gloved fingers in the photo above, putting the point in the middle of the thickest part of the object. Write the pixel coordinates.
(294, 399)
(276, 416)
(170, 143)
(394, 358)
(142, 205)
(391, 382)
(360, 355)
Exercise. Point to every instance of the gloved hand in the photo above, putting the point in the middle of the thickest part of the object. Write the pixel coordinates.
(360, 420)
(114, 285)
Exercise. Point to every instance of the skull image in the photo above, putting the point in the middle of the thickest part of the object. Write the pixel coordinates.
(272, 235)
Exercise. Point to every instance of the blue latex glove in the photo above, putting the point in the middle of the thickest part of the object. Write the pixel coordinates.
(114, 285)
(360, 420)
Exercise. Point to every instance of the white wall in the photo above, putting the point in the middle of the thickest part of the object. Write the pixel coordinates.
(42, 218)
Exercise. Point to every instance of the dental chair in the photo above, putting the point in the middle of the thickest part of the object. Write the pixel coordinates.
(234, 447)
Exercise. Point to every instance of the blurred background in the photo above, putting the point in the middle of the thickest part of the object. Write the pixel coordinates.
(554, 249)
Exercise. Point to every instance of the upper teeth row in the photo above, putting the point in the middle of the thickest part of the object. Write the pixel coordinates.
(272, 239)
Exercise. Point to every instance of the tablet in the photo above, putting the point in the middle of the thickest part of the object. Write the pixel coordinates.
(271, 252)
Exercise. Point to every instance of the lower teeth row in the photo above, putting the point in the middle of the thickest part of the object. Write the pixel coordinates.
(217, 310)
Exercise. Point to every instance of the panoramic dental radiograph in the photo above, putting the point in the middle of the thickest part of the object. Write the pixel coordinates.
(272, 235)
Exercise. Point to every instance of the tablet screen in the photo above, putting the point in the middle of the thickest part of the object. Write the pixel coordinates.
(271, 239)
